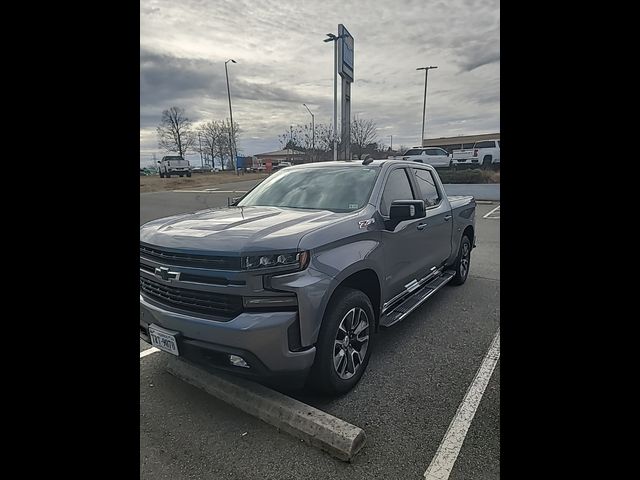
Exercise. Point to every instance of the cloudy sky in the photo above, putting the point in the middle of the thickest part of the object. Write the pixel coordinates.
(283, 62)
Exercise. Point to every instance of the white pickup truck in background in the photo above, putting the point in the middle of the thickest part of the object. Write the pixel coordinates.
(485, 153)
(173, 165)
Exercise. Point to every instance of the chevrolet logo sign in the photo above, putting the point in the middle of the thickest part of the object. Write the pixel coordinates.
(165, 274)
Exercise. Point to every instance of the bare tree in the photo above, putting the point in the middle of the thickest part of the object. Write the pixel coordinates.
(215, 141)
(363, 135)
(174, 132)
(324, 140)
(226, 127)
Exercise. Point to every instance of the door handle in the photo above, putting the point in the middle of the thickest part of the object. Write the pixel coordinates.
(421, 226)
(447, 218)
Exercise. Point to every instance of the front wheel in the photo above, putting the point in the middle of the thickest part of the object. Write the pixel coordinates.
(344, 342)
(189, 174)
(463, 262)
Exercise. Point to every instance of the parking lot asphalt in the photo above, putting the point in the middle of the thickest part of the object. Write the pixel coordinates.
(419, 372)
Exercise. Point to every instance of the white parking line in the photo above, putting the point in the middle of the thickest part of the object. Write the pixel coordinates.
(447, 453)
(487, 215)
(148, 351)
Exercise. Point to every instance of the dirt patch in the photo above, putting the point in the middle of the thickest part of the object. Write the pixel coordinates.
(154, 183)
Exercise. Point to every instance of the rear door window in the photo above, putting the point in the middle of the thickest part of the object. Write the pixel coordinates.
(427, 185)
(397, 187)
(486, 144)
(413, 151)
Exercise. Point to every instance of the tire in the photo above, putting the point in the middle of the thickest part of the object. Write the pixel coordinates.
(461, 266)
(161, 175)
(167, 175)
(324, 377)
(486, 162)
(189, 174)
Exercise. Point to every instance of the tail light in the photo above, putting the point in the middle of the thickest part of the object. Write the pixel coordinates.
(475, 152)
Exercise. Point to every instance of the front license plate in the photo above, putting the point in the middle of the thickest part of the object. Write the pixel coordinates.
(163, 340)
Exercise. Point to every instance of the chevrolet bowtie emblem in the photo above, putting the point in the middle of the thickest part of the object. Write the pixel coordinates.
(165, 274)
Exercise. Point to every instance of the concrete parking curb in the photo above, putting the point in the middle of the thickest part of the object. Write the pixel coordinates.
(337, 437)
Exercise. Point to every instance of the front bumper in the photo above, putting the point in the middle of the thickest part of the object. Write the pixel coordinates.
(261, 339)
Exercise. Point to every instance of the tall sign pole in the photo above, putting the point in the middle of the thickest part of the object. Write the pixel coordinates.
(345, 69)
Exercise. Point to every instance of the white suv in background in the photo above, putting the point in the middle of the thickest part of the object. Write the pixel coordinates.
(434, 156)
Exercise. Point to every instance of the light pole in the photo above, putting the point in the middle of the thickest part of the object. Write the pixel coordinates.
(424, 105)
(313, 130)
(391, 141)
(334, 38)
(231, 134)
(200, 143)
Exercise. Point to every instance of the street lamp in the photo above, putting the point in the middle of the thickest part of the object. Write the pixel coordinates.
(424, 105)
(231, 133)
(313, 130)
(333, 38)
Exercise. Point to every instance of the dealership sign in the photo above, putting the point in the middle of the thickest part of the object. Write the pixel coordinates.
(345, 54)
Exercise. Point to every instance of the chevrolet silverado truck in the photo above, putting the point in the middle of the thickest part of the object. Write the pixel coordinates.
(485, 154)
(289, 284)
(173, 165)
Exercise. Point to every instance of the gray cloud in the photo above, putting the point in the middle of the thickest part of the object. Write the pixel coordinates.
(283, 62)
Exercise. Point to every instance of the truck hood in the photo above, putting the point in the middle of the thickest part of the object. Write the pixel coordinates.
(237, 230)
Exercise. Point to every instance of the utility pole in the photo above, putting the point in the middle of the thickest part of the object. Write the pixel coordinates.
(313, 131)
(232, 137)
(424, 105)
(291, 144)
(200, 143)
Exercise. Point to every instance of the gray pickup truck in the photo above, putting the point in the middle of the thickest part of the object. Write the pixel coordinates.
(289, 283)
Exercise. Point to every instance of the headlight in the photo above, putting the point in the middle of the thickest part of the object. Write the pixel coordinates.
(295, 260)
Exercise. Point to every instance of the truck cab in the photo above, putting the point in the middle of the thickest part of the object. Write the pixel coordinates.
(173, 165)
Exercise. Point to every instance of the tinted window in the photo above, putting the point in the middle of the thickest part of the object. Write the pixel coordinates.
(397, 188)
(339, 189)
(486, 144)
(427, 186)
(413, 151)
(467, 146)
(436, 151)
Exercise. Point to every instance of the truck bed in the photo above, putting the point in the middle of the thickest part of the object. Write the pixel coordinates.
(458, 201)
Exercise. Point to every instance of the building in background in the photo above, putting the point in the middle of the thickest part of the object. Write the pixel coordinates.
(460, 142)
(295, 157)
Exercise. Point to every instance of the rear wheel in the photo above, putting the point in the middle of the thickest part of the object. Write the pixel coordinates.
(161, 174)
(344, 342)
(463, 262)
(486, 162)
(189, 174)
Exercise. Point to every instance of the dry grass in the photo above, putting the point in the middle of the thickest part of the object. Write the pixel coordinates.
(154, 183)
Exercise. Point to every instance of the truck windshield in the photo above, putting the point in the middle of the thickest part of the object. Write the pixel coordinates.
(338, 189)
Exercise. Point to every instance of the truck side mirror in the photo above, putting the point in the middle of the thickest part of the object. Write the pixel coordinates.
(406, 210)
